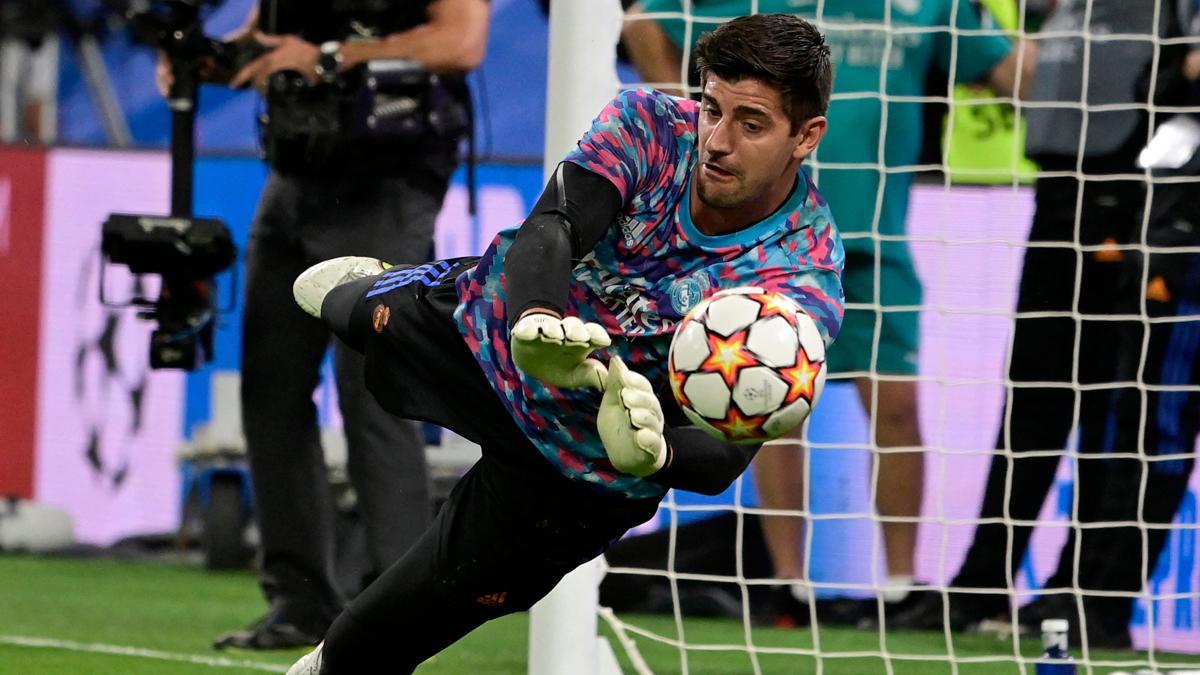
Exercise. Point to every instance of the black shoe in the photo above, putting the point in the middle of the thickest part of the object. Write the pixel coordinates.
(845, 611)
(1101, 633)
(783, 610)
(869, 615)
(1050, 606)
(927, 612)
(709, 601)
(273, 632)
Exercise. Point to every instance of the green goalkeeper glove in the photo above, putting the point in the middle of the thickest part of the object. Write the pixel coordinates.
(631, 422)
(556, 350)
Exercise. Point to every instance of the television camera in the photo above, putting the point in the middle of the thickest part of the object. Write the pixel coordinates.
(186, 251)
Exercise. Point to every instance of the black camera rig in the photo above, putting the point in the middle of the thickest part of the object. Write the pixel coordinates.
(187, 252)
(395, 100)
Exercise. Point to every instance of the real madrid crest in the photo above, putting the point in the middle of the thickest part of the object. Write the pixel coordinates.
(689, 290)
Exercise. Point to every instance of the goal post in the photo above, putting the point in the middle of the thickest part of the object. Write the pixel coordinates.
(581, 79)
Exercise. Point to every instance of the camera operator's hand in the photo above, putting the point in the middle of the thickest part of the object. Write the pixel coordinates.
(164, 78)
(288, 52)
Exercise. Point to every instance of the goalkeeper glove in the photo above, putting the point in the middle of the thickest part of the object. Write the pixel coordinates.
(631, 422)
(556, 350)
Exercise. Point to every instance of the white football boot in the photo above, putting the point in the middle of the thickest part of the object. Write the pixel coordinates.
(314, 283)
(309, 664)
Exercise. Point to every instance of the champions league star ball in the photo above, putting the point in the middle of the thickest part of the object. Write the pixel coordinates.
(747, 365)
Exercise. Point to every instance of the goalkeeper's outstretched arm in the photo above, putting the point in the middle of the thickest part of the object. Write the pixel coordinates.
(572, 215)
(575, 210)
(697, 462)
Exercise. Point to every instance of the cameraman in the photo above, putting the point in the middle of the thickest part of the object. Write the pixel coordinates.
(332, 195)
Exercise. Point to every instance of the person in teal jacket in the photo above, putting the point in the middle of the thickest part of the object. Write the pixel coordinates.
(865, 168)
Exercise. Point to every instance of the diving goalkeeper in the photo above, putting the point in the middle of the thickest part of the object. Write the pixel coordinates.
(550, 351)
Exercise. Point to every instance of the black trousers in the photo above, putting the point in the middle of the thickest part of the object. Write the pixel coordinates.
(512, 527)
(1059, 363)
(301, 221)
(1153, 424)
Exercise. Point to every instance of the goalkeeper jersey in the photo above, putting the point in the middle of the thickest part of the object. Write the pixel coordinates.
(648, 270)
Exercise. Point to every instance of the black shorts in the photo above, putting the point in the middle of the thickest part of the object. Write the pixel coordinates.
(417, 364)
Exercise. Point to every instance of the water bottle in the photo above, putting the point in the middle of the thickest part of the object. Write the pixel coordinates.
(1055, 660)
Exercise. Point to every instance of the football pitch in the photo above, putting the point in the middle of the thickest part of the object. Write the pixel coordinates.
(101, 617)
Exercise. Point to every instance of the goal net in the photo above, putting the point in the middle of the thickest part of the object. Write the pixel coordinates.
(967, 226)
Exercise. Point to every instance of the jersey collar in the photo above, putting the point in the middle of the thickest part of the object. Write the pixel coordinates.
(751, 234)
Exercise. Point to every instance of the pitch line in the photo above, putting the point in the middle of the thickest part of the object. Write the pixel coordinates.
(118, 650)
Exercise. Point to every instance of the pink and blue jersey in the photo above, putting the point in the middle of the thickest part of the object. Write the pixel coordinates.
(643, 276)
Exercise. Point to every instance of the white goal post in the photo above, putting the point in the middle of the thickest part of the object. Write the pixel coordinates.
(581, 79)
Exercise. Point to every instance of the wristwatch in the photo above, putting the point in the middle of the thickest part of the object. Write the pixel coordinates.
(329, 61)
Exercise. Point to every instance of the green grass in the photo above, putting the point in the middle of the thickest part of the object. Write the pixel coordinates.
(174, 611)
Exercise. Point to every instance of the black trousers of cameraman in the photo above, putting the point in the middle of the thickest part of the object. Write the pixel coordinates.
(1075, 349)
(301, 221)
(1156, 421)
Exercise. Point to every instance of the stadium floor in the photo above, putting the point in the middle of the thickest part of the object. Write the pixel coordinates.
(114, 617)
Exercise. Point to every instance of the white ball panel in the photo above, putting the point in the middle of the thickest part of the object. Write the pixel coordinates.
(810, 337)
(708, 394)
(689, 347)
(729, 314)
(759, 390)
(786, 419)
(774, 341)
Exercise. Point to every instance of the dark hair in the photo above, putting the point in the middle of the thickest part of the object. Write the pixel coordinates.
(782, 50)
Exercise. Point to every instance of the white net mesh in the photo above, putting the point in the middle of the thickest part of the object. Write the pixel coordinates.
(967, 243)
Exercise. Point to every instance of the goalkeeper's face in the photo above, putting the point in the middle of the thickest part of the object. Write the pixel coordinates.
(749, 154)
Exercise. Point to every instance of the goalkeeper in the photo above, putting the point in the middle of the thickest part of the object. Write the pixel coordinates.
(550, 350)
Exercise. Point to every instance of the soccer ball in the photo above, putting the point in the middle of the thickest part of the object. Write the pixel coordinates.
(747, 365)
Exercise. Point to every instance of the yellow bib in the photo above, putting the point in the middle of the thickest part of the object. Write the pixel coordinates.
(986, 143)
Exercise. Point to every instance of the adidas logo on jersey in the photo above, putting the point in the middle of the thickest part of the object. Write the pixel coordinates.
(631, 229)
